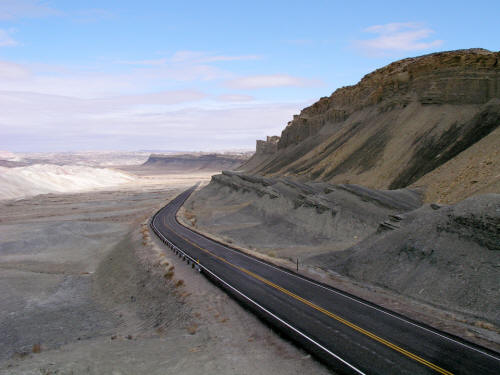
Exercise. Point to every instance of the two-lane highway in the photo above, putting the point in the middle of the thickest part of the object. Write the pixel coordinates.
(350, 335)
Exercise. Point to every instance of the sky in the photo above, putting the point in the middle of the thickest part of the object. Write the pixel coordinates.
(201, 75)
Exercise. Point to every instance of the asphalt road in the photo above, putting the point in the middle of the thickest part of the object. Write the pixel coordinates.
(350, 335)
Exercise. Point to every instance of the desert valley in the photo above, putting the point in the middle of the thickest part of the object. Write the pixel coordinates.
(337, 198)
(178, 196)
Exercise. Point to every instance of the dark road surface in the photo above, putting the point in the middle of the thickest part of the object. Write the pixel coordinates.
(350, 335)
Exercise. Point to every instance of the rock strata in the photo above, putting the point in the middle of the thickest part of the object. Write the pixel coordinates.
(396, 125)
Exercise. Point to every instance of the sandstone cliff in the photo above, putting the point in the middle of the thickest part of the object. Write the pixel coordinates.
(397, 124)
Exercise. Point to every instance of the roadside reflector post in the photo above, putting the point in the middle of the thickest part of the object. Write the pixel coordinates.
(297, 264)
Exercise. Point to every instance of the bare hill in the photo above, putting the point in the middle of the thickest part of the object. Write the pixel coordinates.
(396, 125)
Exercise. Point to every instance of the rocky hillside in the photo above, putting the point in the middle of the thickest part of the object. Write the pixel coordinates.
(397, 125)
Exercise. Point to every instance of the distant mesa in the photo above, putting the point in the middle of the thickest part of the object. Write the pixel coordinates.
(398, 125)
(196, 162)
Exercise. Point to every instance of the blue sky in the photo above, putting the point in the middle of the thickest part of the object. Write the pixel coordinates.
(201, 75)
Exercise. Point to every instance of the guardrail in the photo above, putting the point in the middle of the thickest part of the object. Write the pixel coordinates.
(190, 260)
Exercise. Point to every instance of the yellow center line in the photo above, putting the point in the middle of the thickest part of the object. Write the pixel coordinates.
(322, 310)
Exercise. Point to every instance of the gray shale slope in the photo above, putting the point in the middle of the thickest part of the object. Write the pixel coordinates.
(289, 218)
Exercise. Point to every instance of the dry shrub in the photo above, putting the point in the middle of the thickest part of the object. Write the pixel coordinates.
(37, 348)
(179, 283)
(191, 217)
(483, 324)
(192, 329)
(170, 273)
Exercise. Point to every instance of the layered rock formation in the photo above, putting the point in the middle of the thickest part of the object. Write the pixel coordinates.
(396, 125)
(269, 146)
(263, 151)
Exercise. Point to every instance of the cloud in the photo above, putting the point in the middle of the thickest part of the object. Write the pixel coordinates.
(88, 84)
(235, 98)
(269, 81)
(300, 42)
(38, 122)
(150, 62)
(398, 37)
(6, 40)
(13, 9)
(190, 57)
(199, 57)
(12, 72)
(92, 15)
(47, 107)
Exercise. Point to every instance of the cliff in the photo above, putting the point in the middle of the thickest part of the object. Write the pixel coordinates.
(396, 125)
(263, 151)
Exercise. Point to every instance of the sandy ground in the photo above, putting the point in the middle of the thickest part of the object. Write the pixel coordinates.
(86, 289)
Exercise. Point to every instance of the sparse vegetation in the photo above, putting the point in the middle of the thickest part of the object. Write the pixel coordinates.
(179, 283)
(192, 329)
(170, 273)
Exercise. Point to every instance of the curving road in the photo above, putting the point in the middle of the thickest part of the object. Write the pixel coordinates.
(350, 335)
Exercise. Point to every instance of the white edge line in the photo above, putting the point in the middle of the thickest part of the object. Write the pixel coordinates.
(347, 296)
(270, 313)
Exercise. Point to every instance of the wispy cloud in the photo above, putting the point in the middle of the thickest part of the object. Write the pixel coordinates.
(398, 37)
(190, 57)
(236, 98)
(134, 122)
(6, 40)
(12, 72)
(92, 15)
(57, 109)
(13, 9)
(300, 42)
(269, 81)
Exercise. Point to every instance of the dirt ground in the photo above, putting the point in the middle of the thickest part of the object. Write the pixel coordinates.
(86, 289)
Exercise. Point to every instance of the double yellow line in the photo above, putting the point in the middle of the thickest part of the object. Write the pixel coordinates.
(322, 310)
